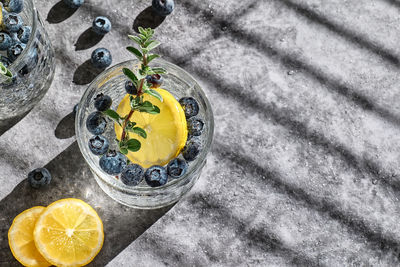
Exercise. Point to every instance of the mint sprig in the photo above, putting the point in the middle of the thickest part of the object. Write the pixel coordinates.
(144, 44)
(5, 71)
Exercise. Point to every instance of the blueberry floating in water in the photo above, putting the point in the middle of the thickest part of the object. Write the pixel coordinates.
(102, 102)
(15, 6)
(12, 22)
(98, 145)
(156, 176)
(190, 106)
(155, 80)
(96, 123)
(130, 88)
(191, 149)
(195, 126)
(5, 41)
(113, 162)
(132, 174)
(24, 34)
(177, 168)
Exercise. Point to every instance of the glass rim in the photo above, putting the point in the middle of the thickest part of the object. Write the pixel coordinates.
(14, 65)
(198, 163)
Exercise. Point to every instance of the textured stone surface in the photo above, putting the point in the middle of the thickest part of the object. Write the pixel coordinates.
(305, 165)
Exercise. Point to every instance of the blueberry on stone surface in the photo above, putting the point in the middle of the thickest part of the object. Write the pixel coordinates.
(5, 41)
(101, 58)
(74, 3)
(24, 33)
(177, 167)
(130, 88)
(39, 177)
(163, 7)
(155, 80)
(96, 123)
(15, 50)
(156, 176)
(98, 145)
(132, 174)
(12, 22)
(190, 106)
(101, 25)
(191, 149)
(195, 126)
(102, 102)
(15, 6)
(113, 162)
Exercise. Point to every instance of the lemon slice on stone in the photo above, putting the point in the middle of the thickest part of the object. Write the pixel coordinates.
(166, 131)
(20, 238)
(69, 233)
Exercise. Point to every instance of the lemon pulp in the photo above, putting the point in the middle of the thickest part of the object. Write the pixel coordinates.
(20, 238)
(69, 233)
(166, 131)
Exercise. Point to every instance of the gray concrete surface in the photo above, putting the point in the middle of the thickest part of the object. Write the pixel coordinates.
(305, 165)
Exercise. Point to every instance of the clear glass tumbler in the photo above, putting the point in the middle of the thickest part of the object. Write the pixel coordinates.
(33, 70)
(111, 82)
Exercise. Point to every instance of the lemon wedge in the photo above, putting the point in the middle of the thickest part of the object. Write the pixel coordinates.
(20, 238)
(69, 233)
(166, 131)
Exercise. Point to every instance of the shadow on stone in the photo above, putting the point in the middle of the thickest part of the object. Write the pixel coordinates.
(147, 19)
(87, 40)
(8, 123)
(66, 127)
(72, 178)
(60, 12)
(86, 73)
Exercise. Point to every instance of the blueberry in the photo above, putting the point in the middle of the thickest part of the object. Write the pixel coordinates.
(113, 162)
(15, 6)
(130, 88)
(75, 109)
(14, 37)
(6, 62)
(102, 102)
(132, 174)
(74, 3)
(96, 123)
(39, 177)
(101, 25)
(101, 58)
(24, 33)
(156, 176)
(191, 149)
(15, 50)
(190, 106)
(5, 41)
(177, 168)
(163, 7)
(195, 126)
(155, 80)
(98, 145)
(12, 22)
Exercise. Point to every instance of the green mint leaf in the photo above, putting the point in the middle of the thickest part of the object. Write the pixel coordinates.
(133, 145)
(141, 30)
(156, 110)
(130, 75)
(158, 70)
(134, 102)
(146, 44)
(154, 93)
(139, 131)
(153, 45)
(123, 150)
(151, 57)
(135, 39)
(135, 52)
(147, 104)
(4, 71)
(113, 115)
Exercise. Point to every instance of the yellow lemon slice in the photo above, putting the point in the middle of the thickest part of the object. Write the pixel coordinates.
(166, 131)
(20, 238)
(69, 233)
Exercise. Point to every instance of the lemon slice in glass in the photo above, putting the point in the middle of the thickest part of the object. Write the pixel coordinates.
(166, 131)
(69, 233)
(20, 238)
